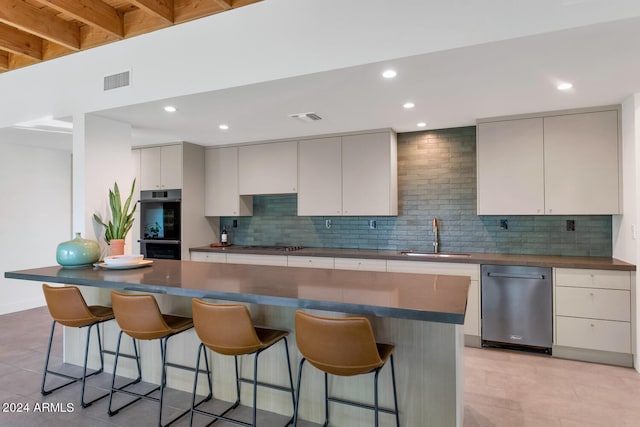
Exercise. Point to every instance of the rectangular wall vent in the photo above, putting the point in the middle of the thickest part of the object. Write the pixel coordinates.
(116, 81)
(306, 117)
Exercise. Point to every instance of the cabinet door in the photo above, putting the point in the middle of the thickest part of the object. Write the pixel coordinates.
(369, 174)
(150, 168)
(320, 177)
(510, 167)
(581, 163)
(268, 168)
(221, 178)
(171, 167)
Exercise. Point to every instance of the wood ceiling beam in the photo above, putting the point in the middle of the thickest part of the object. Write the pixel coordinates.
(159, 8)
(138, 22)
(94, 13)
(25, 17)
(187, 10)
(4, 61)
(20, 43)
(224, 4)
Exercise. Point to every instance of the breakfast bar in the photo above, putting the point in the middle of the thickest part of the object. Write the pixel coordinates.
(421, 314)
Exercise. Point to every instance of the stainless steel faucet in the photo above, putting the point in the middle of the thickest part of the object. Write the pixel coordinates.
(434, 227)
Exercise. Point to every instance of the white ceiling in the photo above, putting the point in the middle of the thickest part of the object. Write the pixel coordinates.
(450, 89)
(451, 85)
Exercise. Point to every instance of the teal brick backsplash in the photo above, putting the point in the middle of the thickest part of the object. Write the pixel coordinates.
(436, 178)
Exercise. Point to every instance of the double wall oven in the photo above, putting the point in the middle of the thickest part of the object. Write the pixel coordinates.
(160, 224)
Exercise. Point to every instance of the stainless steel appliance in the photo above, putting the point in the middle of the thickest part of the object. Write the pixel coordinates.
(160, 224)
(517, 307)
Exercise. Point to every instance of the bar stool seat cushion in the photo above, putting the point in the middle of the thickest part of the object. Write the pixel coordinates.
(139, 316)
(101, 313)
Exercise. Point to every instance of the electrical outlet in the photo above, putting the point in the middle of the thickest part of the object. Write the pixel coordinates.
(327, 224)
(571, 225)
(235, 223)
(372, 224)
(504, 224)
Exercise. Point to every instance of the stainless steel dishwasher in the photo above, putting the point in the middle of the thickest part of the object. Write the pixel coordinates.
(517, 307)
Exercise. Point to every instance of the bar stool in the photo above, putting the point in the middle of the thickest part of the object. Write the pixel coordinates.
(344, 347)
(227, 329)
(139, 316)
(68, 307)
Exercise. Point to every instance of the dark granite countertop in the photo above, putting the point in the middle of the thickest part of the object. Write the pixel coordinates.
(434, 298)
(600, 263)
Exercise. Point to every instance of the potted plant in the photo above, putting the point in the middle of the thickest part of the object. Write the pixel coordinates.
(121, 219)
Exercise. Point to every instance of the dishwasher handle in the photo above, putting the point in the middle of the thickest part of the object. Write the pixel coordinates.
(517, 276)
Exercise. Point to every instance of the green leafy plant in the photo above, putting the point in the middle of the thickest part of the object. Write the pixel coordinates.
(121, 218)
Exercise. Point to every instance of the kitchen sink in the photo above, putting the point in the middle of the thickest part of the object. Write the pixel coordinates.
(435, 255)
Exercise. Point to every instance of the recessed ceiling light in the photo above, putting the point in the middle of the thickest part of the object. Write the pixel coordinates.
(170, 109)
(409, 105)
(565, 86)
(421, 124)
(223, 127)
(389, 74)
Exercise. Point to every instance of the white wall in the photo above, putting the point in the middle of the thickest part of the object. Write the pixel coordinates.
(35, 189)
(106, 159)
(626, 246)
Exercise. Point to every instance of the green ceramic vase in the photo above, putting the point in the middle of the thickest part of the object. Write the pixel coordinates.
(78, 252)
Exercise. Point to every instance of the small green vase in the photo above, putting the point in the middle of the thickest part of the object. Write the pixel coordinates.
(78, 252)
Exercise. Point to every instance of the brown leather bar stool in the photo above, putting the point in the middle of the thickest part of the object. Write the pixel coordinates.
(228, 329)
(68, 307)
(345, 347)
(139, 316)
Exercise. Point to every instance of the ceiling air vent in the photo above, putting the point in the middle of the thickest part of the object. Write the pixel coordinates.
(306, 117)
(115, 81)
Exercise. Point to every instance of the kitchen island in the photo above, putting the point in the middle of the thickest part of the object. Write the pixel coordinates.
(421, 314)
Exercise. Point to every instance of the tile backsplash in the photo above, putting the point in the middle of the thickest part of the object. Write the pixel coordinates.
(436, 178)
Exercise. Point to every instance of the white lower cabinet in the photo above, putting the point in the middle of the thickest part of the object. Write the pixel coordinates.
(311, 262)
(472, 317)
(363, 264)
(603, 335)
(209, 257)
(254, 259)
(593, 315)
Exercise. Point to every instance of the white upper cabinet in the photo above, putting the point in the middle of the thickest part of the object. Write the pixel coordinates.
(510, 173)
(348, 175)
(581, 163)
(370, 174)
(270, 168)
(161, 167)
(221, 178)
(553, 163)
(320, 177)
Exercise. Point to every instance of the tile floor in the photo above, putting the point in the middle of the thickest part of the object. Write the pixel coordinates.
(502, 388)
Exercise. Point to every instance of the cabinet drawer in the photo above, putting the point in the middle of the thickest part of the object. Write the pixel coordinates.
(606, 279)
(605, 335)
(310, 262)
(360, 264)
(209, 257)
(606, 304)
(277, 260)
(429, 267)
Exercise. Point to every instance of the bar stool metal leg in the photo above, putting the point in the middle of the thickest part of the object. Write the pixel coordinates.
(74, 379)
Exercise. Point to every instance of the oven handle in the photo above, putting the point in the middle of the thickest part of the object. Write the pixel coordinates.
(162, 242)
(159, 199)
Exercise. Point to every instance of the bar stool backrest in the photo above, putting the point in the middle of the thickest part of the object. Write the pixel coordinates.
(67, 306)
(139, 316)
(340, 346)
(225, 328)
